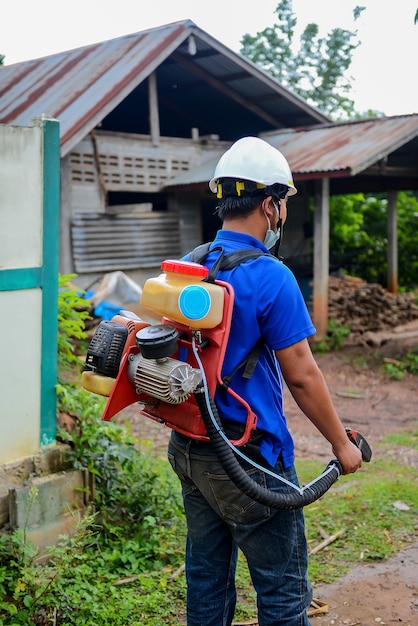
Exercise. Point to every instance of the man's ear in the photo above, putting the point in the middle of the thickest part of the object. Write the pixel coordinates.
(267, 207)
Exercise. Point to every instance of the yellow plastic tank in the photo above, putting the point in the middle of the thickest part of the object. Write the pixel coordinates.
(180, 295)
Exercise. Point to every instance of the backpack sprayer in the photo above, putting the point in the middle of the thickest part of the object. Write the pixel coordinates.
(174, 368)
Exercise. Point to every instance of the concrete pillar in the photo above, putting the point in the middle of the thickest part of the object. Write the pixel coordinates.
(321, 258)
(392, 235)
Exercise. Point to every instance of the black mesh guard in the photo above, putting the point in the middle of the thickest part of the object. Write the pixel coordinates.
(105, 351)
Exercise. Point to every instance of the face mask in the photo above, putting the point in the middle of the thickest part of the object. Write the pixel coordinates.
(271, 238)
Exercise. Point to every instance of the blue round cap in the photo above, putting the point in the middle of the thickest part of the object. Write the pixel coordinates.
(194, 302)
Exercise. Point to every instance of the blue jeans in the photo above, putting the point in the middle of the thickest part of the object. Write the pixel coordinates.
(221, 519)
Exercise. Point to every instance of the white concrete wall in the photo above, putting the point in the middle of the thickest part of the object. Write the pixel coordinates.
(21, 211)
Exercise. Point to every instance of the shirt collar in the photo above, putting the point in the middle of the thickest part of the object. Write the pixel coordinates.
(238, 240)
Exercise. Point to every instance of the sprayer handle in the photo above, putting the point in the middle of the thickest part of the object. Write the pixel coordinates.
(360, 441)
(337, 465)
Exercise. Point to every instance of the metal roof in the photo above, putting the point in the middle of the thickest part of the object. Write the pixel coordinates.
(201, 83)
(339, 150)
(347, 148)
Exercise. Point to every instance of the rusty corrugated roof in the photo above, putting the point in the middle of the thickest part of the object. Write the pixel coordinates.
(346, 148)
(343, 149)
(81, 87)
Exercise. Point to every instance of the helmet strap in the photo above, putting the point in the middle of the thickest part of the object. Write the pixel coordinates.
(275, 250)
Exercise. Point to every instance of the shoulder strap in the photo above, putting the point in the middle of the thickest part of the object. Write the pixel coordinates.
(224, 261)
(237, 257)
(228, 262)
(250, 361)
(199, 254)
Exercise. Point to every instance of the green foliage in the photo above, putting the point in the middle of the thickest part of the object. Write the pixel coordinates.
(347, 215)
(72, 315)
(30, 593)
(316, 68)
(135, 535)
(397, 369)
(77, 585)
(334, 339)
(408, 439)
(2, 57)
(358, 230)
(136, 495)
(74, 400)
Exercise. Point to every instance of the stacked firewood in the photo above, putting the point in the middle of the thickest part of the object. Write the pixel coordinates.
(364, 307)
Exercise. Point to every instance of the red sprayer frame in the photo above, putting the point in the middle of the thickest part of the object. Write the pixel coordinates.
(185, 418)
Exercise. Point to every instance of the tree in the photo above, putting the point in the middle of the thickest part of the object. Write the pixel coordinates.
(358, 224)
(2, 57)
(316, 70)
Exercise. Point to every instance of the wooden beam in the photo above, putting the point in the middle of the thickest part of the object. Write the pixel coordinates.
(392, 171)
(153, 109)
(321, 258)
(392, 235)
(66, 263)
(221, 86)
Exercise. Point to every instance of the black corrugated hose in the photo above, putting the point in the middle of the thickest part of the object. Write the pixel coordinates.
(253, 490)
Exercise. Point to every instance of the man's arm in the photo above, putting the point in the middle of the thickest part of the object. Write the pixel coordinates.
(309, 389)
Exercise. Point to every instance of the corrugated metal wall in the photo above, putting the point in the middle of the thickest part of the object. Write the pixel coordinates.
(104, 243)
(126, 237)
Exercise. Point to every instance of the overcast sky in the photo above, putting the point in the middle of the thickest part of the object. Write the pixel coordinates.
(384, 66)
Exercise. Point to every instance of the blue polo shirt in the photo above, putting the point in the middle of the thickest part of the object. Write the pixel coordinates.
(268, 303)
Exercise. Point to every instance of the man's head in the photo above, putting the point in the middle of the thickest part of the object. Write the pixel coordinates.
(251, 177)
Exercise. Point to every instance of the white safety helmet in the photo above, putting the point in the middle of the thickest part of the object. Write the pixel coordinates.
(253, 159)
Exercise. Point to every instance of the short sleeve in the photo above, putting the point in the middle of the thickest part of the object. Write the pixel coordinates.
(282, 312)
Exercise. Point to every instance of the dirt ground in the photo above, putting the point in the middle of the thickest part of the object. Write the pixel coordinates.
(385, 593)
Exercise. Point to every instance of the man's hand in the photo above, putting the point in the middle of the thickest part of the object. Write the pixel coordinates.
(349, 456)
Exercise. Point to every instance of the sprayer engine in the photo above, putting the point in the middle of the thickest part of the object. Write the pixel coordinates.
(150, 371)
(168, 380)
(154, 373)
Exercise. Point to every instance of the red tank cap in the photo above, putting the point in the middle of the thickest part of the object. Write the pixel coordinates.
(185, 267)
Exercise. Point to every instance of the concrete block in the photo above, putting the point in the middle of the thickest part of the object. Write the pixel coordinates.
(61, 498)
(18, 473)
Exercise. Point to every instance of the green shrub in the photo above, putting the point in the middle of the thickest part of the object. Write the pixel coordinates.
(136, 530)
(334, 339)
(73, 311)
(397, 368)
(137, 495)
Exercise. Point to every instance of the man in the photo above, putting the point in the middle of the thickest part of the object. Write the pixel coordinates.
(253, 182)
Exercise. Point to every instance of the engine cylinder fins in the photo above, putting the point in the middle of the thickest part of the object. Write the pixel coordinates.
(169, 380)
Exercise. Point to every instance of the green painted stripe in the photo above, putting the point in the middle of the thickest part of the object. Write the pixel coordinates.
(50, 247)
(22, 278)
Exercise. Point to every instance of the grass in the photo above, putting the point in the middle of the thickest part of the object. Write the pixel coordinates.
(409, 440)
(364, 506)
(95, 584)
